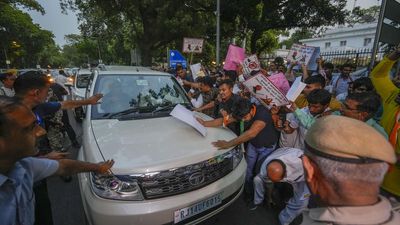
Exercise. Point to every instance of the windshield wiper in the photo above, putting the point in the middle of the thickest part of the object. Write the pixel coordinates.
(141, 109)
(167, 107)
(120, 113)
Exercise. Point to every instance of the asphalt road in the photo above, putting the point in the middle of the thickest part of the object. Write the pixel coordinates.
(68, 210)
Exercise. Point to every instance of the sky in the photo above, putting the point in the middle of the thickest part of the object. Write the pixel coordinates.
(61, 24)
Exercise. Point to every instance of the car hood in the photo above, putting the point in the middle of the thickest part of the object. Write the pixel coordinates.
(150, 145)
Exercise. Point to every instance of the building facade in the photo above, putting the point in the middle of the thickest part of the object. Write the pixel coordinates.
(359, 36)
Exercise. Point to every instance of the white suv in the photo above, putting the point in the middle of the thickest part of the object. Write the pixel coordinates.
(165, 172)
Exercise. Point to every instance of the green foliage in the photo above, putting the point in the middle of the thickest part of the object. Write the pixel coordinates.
(27, 4)
(296, 37)
(153, 26)
(359, 15)
(22, 40)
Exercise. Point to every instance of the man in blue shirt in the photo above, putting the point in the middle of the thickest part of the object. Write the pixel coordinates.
(32, 89)
(18, 170)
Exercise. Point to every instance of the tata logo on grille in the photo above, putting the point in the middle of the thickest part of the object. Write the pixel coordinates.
(196, 179)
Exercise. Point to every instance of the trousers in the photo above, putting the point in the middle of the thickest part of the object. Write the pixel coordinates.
(295, 205)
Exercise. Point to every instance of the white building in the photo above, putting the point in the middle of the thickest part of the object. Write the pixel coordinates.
(360, 36)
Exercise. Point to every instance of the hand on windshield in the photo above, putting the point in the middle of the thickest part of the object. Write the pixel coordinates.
(95, 99)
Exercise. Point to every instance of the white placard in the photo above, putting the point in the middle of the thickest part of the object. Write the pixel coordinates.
(262, 88)
(251, 64)
(195, 68)
(295, 90)
(192, 45)
(187, 116)
(300, 53)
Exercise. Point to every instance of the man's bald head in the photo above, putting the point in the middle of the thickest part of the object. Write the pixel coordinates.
(276, 170)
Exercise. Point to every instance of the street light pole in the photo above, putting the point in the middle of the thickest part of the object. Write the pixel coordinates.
(4, 48)
(5, 54)
(218, 33)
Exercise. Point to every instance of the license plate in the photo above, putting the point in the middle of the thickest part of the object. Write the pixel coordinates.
(185, 213)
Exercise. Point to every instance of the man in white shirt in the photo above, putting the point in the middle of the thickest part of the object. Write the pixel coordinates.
(8, 84)
(283, 165)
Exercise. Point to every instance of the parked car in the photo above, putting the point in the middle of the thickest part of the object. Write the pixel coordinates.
(165, 172)
(77, 86)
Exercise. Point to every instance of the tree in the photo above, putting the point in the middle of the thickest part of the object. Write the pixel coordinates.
(22, 40)
(27, 4)
(298, 35)
(260, 16)
(155, 25)
(359, 15)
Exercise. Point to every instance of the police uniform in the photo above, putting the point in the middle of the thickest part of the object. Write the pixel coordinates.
(348, 140)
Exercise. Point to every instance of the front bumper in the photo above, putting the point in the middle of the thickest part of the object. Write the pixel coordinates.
(101, 211)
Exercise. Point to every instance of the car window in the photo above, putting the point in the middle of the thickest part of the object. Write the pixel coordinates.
(122, 92)
(82, 80)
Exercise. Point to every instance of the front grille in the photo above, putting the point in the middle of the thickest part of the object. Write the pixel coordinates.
(184, 179)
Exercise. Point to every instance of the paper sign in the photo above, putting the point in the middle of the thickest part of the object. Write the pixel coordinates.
(193, 45)
(300, 53)
(195, 68)
(261, 87)
(312, 65)
(251, 64)
(187, 116)
(234, 57)
(295, 90)
(280, 81)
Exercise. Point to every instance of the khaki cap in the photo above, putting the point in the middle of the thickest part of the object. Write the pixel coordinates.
(346, 138)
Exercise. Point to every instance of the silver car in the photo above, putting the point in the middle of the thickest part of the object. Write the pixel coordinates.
(165, 172)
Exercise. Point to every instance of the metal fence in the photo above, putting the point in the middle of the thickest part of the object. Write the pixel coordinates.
(358, 57)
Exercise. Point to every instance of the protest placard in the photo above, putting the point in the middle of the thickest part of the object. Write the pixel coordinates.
(300, 53)
(234, 57)
(195, 68)
(261, 87)
(251, 64)
(295, 90)
(312, 64)
(192, 45)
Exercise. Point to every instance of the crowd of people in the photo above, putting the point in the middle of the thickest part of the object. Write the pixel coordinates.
(332, 145)
(335, 149)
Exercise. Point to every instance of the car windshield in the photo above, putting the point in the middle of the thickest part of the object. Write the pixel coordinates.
(146, 93)
(82, 80)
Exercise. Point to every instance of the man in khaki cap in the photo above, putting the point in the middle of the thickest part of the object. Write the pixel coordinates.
(345, 161)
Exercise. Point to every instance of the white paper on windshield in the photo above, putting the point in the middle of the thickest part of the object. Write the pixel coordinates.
(295, 90)
(261, 87)
(195, 68)
(187, 116)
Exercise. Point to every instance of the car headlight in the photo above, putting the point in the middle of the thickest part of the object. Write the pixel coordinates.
(237, 156)
(116, 187)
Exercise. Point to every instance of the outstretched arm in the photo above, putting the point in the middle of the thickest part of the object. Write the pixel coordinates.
(380, 74)
(70, 167)
(72, 104)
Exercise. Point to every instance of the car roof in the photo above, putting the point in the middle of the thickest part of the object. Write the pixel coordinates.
(139, 70)
(84, 71)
